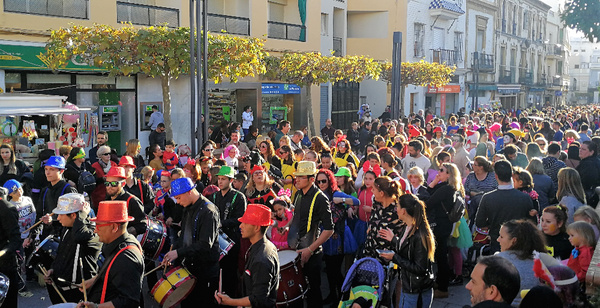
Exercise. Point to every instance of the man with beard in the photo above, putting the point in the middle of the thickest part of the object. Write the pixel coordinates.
(415, 158)
(101, 139)
(495, 282)
(231, 205)
(115, 181)
(235, 140)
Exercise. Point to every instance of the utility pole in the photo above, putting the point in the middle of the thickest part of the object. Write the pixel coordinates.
(396, 105)
(476, 80)
(199, 71)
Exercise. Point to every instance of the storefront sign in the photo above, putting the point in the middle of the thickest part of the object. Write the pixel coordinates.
(444, 89)
(558, 93)
(443, 105)
(280, 88)
(34, 58)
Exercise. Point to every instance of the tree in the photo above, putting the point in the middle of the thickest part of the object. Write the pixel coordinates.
(159, 52)
(582, 15)
(420, 74)
(312, 68)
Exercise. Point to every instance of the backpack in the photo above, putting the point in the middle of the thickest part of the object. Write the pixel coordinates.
(86, 181)
(458, 208)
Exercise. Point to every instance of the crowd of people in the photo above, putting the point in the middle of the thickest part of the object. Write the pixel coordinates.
(414, 192)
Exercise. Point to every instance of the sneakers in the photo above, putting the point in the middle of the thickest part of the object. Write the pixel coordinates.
(457, 281)
(25, 293)
(440, 294)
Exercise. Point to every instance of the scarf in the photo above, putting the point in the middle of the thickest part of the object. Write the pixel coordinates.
(105, 167)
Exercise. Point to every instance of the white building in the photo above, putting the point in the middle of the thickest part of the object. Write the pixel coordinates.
(584, 80)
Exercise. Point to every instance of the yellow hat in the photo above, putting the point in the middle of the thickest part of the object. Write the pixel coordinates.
(306, 168)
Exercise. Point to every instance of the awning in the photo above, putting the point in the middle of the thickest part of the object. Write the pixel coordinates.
(483, 87)
(509, 89)
(38, 111)
(537, 89)
(25, 104)
(32, 56)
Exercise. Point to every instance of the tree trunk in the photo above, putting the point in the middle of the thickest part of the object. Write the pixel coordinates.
(311, 120)
(165, 81)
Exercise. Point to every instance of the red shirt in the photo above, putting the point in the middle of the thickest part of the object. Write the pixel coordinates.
(581, 263)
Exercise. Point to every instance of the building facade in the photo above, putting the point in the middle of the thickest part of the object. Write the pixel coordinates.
(584, 69)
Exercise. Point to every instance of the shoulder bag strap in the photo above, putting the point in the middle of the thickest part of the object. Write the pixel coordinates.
(141, 191)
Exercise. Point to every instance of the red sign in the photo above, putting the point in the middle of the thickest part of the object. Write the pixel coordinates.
(443, 105)
(444, 89)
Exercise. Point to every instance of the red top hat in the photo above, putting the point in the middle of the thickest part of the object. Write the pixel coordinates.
(257, 215)
(126, 161)
(257, 168)
(112, 211)
(117, 172)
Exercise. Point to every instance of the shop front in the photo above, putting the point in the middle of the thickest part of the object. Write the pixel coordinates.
(509, 96)
(24, 69)
(281, 101)
(445, 98)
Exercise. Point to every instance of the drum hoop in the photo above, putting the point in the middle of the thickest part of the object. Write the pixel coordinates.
(290, 263)
(173, 287)
(162, 243)
(293, 299)
(193, 279)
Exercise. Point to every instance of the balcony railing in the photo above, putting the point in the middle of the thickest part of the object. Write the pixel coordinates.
(554, 50)
(230, 24)
(506, 76)
(57, 8)
(147, 15)
(448, 56)
(337, 46)
(486, 62)
(557, 81)
(525, 77)
(285, 31)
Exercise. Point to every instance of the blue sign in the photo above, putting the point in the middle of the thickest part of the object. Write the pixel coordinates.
(558, 93)
(280, 88)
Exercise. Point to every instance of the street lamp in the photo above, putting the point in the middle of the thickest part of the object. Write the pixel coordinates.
(199, 80)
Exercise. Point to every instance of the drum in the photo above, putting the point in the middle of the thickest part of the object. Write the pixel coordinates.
(4, 284)
(64, 305)
(225, 244)
(154, 238)
(44, 253)
(174, 287)
(292, 284)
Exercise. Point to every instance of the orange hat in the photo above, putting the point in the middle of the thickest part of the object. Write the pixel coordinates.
(257, 215)
(112, 211)
(257, 168)
(117, 172)
(126, 161)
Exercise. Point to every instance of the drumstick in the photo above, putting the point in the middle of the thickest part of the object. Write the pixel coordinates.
(156, 268)
(82, 281)
(53, 284)
(220, 280)
(34, 225)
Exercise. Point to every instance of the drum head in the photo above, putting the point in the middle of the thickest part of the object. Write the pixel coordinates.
(4, 285)
(180, 293)
(64, 305)
(286, 257)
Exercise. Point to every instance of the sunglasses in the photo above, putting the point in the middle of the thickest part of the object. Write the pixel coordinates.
(322, 182)
(113, 183)
(105, 154)
(103, 225)
(208, 150)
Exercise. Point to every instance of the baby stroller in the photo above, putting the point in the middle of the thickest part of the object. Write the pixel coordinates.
(366, 278)
(481, 247)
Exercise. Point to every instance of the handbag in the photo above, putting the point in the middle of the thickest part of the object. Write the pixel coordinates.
(458, 208)
(350, 245)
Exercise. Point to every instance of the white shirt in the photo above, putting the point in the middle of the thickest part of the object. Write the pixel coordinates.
(155, 119)
(408, 162)
(247, 119)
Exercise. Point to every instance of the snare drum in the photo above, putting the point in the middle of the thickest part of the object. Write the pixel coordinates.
(292, 284)
(225, 244)
(64, 305)
(4, 285)
(154, 238)
(44, 253)
(174, 287)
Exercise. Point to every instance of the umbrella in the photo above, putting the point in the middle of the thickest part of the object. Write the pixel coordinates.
(536, 118)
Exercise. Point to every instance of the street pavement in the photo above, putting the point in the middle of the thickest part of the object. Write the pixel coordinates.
(459, 297)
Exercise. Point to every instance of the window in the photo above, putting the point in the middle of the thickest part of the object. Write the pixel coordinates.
(419, 52)
(481, 24)
(458, 44)
(559, 67)
(525, 20)
(576, 65)
(324, 24)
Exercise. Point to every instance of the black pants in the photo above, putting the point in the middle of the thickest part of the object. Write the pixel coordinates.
(152, 278)
(441, 232)
(229, 265)
(71, 296)
(312, 271)
(334, 274)
(204, 291)
(12, 297)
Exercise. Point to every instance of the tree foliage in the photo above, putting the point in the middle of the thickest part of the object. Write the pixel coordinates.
(582, 15)
(420, 73)
(160, 52)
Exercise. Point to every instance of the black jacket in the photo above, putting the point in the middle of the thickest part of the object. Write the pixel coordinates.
(157, 138)
(10, 235)
(143, 192)
(261, 275)
(354, 138)
(78, 241)
(415, 266)
(72, 172)
(589, 171)
(231, 207)
(365, 138)
(47, 202)
(135, 209)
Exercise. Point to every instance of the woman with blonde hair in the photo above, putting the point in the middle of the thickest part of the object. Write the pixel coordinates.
(570, 192)
(588, 214)
(267, 152)
(318, 145)
(133, 150)
(444, 189)
(261, 188)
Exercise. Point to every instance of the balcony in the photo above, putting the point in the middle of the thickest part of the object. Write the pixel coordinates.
(525, 77)
(554, 50)
(594, 66)
(285, 31)
(337, 46)
(230, 24)
(147, 15)
(445, 9)
(557, 81)
(506, 76)
(448, 56)
(486, 62)
(56, 8)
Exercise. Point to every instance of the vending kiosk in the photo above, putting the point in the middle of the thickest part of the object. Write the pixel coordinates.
(110, 117)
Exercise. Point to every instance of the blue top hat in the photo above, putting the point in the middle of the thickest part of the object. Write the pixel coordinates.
(181, 186)
(56, 162)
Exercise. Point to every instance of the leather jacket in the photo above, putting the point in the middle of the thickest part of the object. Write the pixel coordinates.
(415, 267)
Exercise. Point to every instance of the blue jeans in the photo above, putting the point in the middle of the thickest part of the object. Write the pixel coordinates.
(408, 300)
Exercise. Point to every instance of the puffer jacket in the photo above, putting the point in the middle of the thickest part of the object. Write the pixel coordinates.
(415, 268)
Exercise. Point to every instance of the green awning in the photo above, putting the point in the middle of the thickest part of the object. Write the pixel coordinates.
(483, 87)
(29, 57)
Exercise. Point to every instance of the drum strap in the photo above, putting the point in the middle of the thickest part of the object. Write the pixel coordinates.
(46, 192)
(312, 206)
(141, 191)
(228, 208)
(108, 271)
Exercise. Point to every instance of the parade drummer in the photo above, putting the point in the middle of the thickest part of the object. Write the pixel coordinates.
(198, 243)
(231, 205)
(78, 241)
(261, 275)
(115, 181)
(311, 212)
(10, 240)
(119, 281)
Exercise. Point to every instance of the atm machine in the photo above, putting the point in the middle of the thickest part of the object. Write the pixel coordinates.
(110, 117)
